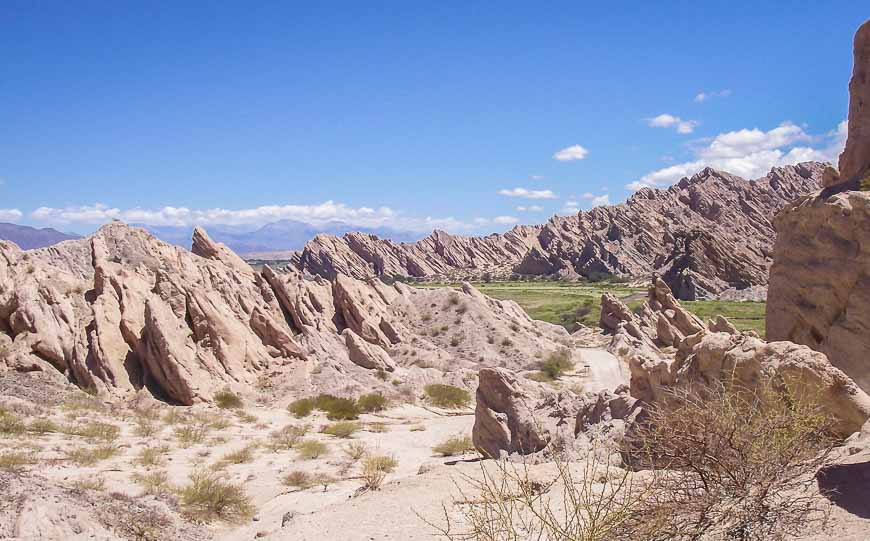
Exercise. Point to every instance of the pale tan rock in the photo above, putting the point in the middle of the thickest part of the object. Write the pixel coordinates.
(366, 355)
(855, 159)
(721, 324)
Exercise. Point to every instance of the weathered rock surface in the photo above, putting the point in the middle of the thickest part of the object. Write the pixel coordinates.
(121, 311)
(705, 234)
(855, 159)
(519, 416)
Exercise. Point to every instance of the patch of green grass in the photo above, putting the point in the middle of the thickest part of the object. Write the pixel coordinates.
(447, 396)
(746, 316)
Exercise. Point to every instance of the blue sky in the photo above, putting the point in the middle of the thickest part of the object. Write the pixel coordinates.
(412, 115)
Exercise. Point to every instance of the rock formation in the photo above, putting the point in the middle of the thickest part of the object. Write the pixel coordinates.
(121, 311)
(704, 235)
(820, 278)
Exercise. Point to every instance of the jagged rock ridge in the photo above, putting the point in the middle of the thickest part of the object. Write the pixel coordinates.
(121, 311)
(704, 235)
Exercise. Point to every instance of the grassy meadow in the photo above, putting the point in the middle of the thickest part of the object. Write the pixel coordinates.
(566, 303)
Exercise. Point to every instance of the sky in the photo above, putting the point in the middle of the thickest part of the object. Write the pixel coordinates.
(458, 115)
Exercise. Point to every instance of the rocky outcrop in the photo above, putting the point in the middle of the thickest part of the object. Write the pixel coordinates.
(706, 234)
(820, 279)
(121, 311)
(855, 159)
(519, 416)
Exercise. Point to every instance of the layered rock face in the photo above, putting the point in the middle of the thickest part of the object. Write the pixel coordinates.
(704, 235)
(820, 277)
(121, 311)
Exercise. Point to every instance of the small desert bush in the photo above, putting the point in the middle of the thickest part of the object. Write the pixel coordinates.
(286, 438)
(191, 434)
(246, 417)
(173, 416)
(454, 445)
(42, 425)
(88, 456)
(97, 431)
(89, 483)
(447, 396)
(341, 429)
(337, 408)
(11, 425)
(375, 470)
(15, 460)
(226, 399)
(355, 450)
(151, 456)
(299, 479)
(145, 428)
(301, 408)
(311, 449)
(372, 402)
(155, 483)
(240, 456)
(378, 427)
(557, 363)
(208, 496)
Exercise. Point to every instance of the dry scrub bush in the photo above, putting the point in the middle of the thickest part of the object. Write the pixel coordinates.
(299, 479)
(375, 470)
(154, 483)
(733, 462)
(355, 450)
(240, 456)
(42, 426)
(591, 500)
(342, 429)
(226, 399)
(209, 496)
(88, 456)
(14, 461)
(447, 396)
(286, 438)
(151, 456)
(311, 449)
(722, 462)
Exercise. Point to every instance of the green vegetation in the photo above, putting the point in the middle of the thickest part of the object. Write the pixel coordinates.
(209, 497)
(341, 429)
(311, 449)
(454, 445)
(302, 407)
(569, 303)
(227, 400)
(447, 396)
(372, 402)
(556, 364)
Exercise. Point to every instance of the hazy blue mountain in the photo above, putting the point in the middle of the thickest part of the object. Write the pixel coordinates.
(28, 238)
(283, 235)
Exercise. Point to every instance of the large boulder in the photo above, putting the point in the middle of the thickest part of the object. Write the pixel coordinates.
(855, 159)
(516, 416)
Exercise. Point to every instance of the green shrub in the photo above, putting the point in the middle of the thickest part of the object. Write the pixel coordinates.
(337, 409)
(311, 449)
(227, 400)
(454, 445)
(208, 496)
(341, 429)
(557, 363)
(447, 396)
(301, 408)
(372, 402)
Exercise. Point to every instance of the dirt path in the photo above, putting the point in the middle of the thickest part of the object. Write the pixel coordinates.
(606, 372)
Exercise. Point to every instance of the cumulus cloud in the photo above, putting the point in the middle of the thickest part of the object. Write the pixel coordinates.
(596, 200)
(750, 153)
(530, 208)
(575, 152)
(505, 220)
(320, 214)
(670, 121)
(701, 97)
(528, 194)
(10, 215)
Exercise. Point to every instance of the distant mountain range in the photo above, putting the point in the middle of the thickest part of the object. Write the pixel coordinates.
(29, 238)
(280, 236)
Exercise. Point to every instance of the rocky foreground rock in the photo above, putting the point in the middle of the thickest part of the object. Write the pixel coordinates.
(820, 279)
(704, 235)
(121, 311)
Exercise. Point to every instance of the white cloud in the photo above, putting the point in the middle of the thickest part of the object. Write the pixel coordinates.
(670, 121)
(575, 152)
(701, 97)
(600, 201)
(505, 220)
(312, 214)
(530, 208)
(750, 154)
(537, 177)
(10, 215)
(528, 194)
